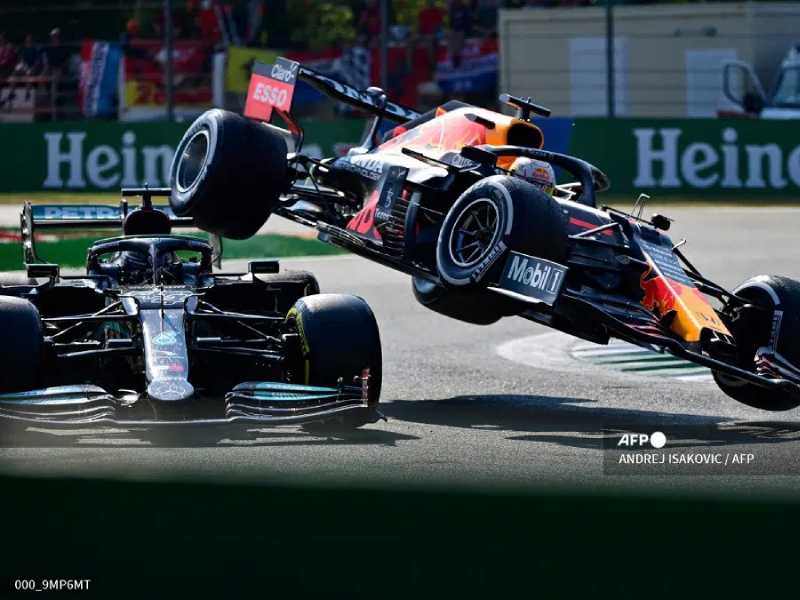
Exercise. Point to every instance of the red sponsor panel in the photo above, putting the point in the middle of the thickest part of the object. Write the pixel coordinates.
(271, 87)
(257, 106)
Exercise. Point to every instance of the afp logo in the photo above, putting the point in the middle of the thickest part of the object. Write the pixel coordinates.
(637, 440)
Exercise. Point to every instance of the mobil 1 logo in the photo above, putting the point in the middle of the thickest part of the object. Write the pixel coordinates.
(535, 278)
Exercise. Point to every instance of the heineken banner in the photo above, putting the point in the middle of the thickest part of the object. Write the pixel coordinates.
(719, 158)
(693, 158)
(99, 156)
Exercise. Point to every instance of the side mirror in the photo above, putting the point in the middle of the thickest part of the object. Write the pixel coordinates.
(48, 270)
(263, 266)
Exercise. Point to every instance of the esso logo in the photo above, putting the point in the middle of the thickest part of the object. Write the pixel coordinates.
(270, 95)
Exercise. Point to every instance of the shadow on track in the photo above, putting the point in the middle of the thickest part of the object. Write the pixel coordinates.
(570, 422)
(160, 437)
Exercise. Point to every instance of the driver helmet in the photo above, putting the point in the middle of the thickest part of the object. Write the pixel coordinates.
(539, 173)
(137, 269)
(134, 266)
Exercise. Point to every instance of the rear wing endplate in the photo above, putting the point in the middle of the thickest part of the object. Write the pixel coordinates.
(271, 89)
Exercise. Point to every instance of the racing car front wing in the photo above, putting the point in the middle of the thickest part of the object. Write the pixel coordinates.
(255, 403)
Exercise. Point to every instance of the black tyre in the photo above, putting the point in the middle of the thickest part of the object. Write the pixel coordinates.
(228, 173)
(339, 339)
(292, 286)
(777, 327)
(478, 307)
(20, 345)
(496, 214)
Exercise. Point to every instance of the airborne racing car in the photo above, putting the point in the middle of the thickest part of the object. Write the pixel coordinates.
(150, 335)
(433, 197)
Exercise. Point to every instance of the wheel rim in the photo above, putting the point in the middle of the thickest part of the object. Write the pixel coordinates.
(192, 160)
(474, 233)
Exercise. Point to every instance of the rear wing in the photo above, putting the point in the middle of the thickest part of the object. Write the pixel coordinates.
(271, 89)
(89, 216)
(362, 99)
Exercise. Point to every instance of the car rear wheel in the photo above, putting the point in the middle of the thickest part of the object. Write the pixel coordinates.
(494, 215)
(228, 173)
(21, 344)
(339, 340)
(776, 327)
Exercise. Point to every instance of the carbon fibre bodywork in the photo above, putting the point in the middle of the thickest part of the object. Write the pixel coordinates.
(417, 196)
(151, 335)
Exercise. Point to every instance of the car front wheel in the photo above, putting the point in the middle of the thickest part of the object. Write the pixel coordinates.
(497, 214)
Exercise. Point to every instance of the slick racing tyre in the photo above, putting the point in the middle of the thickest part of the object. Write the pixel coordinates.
(339, 339)
(291, 286)
(228, 173)
(479, 307)
(20, 345)
(777, 328)
(494, 215)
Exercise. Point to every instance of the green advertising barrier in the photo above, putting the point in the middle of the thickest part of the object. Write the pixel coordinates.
(101, 156)
(695, 158)
(717, 158)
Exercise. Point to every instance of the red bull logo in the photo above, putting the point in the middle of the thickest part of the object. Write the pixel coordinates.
(692, 312)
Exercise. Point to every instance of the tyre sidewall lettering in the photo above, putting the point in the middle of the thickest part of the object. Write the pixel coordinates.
(458, 276)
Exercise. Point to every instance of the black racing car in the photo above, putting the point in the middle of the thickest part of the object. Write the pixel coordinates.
(151, 335)
(439, 196)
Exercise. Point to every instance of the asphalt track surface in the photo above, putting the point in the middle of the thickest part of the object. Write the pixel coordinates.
(484, 407)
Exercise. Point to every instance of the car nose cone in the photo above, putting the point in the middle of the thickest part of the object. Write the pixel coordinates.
(170, 390)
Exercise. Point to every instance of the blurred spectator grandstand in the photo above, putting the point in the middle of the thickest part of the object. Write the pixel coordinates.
(107, 59)
(115, 66)
(8, 56)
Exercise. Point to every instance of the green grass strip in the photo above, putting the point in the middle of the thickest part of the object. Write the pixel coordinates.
(72, 252)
